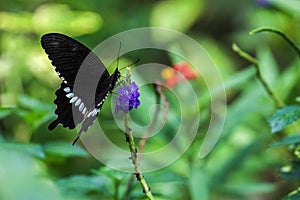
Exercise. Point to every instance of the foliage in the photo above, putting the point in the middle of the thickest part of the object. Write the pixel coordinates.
(248, 161)
(284, 117)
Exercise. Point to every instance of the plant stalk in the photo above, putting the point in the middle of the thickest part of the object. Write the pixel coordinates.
(133, 151)
(279, 103)
(134, 158)
(278, 32)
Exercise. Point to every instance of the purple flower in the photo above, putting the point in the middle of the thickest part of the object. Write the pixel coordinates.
(127, 98)
(263, 3)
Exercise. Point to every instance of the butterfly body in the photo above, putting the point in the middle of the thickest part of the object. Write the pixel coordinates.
(85, 81)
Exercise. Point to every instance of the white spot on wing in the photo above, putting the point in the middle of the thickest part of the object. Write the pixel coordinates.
(90, 113)
(101, 102)
(96, 111)
(78, 102)
(64, 80)
(84, 111)
(67, 89)
(73, 99)
(93, 113)
(70, 95)
(81, 106)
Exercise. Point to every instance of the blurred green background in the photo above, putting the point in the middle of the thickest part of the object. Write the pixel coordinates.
(39, 164)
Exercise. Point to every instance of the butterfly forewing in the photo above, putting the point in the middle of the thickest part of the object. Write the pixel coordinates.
(86, 82)
(67, 55)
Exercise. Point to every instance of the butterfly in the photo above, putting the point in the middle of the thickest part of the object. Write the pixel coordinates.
(85, 85)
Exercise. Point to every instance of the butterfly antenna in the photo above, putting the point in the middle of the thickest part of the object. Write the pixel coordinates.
(119, 54)
(138, 60)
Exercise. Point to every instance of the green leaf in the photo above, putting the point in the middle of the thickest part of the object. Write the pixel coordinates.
(164, 15)
(164, 177)
(1, 139)
(251, 188)
(81, 184)
(237, 80)
(34, 104)
(294, 195)
(290, 171)
(30, 149)
(289, 140)
(6, 111)
(292, 7)
(198, 183)
(267, 65)
(74, 23)
(236, 161)
(25, 177)
(64, 149)
(115, 175)
(42, 120)
(283, 117)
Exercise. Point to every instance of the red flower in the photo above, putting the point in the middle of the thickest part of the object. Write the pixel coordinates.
(172, 78)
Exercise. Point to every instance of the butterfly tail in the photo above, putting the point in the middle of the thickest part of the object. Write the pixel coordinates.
(77, 138)
(53, 125)
(85, 125)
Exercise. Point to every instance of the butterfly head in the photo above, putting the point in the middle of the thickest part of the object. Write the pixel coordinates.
(115, 76)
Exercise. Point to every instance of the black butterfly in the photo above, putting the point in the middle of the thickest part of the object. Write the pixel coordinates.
(86, 81)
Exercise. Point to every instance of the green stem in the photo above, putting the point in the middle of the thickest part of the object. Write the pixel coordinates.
(134, 158)
(133, 152)
(143, 140)
(279, 103)
(129, 187)
(159, 95)
(116, 196)
(286, 38)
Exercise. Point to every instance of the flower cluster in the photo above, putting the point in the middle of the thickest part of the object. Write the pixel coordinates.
(171, 77)
(127, 98)
(263, 3)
